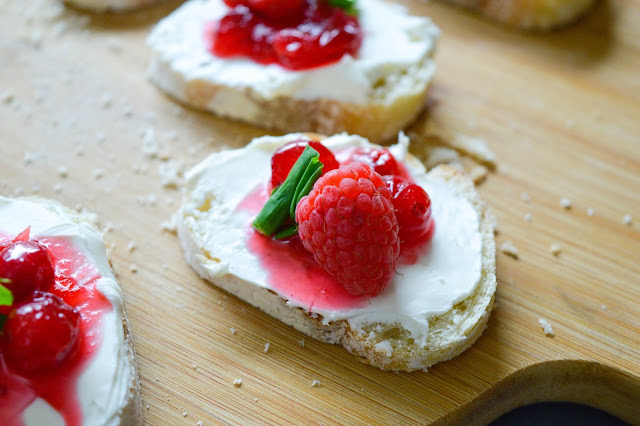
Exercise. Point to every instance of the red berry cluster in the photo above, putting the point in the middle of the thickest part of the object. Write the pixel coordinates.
(357, 215)
(41, 330)
(296, 34)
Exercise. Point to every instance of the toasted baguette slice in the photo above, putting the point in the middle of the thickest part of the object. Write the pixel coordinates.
(387, 345)
(375, 94)
(110, 5)
(122, 405)
(530, 14)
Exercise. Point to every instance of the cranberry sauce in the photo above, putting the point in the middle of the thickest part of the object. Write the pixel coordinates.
(75, 284)
(295, 34)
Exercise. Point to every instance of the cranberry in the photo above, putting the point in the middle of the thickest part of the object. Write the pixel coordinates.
(40, 334)
(296, 34)
(380, 160)
(29, 266)
(413, 208)
(285, 157)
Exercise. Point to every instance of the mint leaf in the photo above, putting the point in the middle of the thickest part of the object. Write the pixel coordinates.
(349, 6)
(284, 199)
(6, 297)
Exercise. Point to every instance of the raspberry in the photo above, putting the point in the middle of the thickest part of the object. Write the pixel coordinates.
(348, 223)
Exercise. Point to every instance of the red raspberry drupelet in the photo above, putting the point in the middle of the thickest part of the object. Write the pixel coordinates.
(349, 225)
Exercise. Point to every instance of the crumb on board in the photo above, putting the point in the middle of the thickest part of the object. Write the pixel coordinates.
(315, 383)
(627, 220)
(603, 307)
(528, 217)
(590, 212)
(233, 331)
(266, 347)
(200, 423)
(63, 172)
(565, 203)
(237, 383)
(194, 366)
(525, 197)
(301, 343)
(546, 327)
(555, 249)
(133, 268)
(184, 414)
(131, 246)
(509, 249)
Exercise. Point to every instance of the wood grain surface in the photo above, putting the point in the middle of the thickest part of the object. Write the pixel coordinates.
(562, 113)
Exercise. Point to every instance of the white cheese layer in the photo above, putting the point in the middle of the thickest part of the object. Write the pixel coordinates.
(393, 60)
(104, 384)
(447, 273)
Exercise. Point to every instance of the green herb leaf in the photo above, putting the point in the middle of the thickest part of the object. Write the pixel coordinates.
(282, 203)
(349, 6)
(286, 232)
(6, 297)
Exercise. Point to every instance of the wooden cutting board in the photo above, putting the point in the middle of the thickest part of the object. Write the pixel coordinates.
(562, 113)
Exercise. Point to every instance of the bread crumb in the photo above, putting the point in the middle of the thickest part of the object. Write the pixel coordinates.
(255, 399)
(548, 330)
(157, 379)
(7, 96)
(627, 220)
(200, 423)
(233, 331)
(315, 383)
(29, 157)
(79, 150)
(150, 146)
(590, 212)
(528, 217)
(525, 197)
(147, 407)
(57, 188)
(133, 268)
(165, 266)
(570, 124)
(266, 347)
(565, 203)
(184, 414)
(179, 289)
(301, 343)
(237, 383)
(509, 249)
(604, 307)
(63, 172)
(131, 246)
(194, 366)
(555, 249)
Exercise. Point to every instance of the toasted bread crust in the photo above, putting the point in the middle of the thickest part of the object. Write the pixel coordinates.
(375, 121)
(449, 334)
(110, 5)
(131, 413)
(529, 14)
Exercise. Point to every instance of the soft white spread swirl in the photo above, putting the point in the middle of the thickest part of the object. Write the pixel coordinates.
(104, 384)
(444, 275)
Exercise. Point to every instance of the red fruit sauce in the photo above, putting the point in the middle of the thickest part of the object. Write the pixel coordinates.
(75, 280)
(295, 34)
(292, 270)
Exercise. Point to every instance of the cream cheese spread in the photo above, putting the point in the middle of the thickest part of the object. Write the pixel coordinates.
(396, 49)
(104, 385)
(447, 273)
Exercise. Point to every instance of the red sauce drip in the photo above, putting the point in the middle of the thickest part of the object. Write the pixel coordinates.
(319, 35)
(75, 283)
(292, 270)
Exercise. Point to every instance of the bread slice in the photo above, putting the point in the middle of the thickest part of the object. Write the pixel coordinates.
(529, 14)
(387, 345)
(123, 405)
(110, 5)
(370, 95)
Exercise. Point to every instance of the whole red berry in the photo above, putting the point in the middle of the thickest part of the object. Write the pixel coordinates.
(272, 9)
(348, 223)
(28, 266)
(285, 157)
(40, 334)
(380, 160)
(413, 208)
